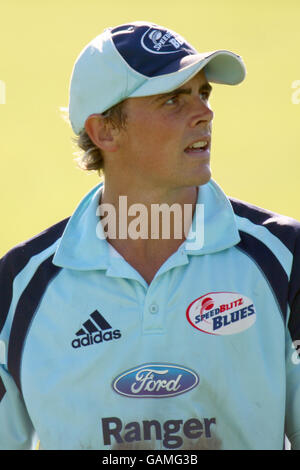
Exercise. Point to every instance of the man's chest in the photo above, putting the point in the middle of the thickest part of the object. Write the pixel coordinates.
(104, 352)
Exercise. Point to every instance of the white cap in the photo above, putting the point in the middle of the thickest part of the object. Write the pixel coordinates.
(140, 59)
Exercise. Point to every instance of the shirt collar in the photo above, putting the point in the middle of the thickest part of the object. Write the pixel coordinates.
(214, 226)
(213, 229)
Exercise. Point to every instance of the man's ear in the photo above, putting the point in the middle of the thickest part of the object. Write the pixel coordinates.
(101, 132)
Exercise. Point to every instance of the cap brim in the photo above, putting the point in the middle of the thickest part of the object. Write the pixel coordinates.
(220, 66)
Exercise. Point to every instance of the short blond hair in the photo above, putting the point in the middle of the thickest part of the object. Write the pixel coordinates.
(91, 158)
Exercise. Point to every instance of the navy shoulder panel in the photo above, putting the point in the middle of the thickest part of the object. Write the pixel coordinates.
(24, 313)
(286, 229)
(16, 259)
(294, 293)
(269, 266)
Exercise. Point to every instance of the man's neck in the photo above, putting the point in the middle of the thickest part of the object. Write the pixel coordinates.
(148, 227)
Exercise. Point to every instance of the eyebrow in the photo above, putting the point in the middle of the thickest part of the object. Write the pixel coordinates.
(183, 91)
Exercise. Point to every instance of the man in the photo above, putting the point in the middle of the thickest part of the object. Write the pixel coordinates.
(115, 336)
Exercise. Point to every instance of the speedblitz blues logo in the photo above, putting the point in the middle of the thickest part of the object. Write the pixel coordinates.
(221, 313)
(155, 381)
(159, 41)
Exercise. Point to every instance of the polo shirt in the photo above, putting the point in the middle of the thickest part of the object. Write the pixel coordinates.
(204, 357)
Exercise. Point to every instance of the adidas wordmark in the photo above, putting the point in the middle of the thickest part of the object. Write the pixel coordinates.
(92, 331)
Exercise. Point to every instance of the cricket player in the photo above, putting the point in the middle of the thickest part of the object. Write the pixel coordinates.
(162, 314)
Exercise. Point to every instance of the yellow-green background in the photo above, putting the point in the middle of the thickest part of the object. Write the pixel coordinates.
(256, 133)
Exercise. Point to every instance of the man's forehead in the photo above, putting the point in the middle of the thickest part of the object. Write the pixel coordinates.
(198, 80)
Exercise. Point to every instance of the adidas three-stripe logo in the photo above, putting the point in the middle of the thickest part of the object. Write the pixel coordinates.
(90, 326)
(95, 330)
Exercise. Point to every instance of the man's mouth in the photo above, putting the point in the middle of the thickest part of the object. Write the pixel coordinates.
(199, 146)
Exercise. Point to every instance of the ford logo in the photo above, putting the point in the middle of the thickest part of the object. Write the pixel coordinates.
(155, 381)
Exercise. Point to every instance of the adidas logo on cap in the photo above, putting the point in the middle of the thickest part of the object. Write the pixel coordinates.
(95, 330)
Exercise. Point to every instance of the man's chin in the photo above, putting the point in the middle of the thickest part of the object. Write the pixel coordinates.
(204, 178)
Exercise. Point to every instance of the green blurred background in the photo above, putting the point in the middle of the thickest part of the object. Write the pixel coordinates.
(256, 138)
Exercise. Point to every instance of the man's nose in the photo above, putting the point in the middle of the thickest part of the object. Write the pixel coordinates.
(202, 112)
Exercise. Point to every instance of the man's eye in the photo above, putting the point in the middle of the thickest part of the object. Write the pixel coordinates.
(172, 100)
(204, 95)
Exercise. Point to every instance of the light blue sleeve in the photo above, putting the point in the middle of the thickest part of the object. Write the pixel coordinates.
(292, 421)
(16, 429)
(293, 354)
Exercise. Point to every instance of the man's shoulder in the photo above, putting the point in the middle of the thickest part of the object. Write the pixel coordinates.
(22, 262)
(286, 229)
(18, 256)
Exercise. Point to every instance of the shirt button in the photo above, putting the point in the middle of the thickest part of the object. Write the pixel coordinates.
(153, 308)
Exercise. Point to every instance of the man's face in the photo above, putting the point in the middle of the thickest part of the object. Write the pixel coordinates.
(155, 148)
